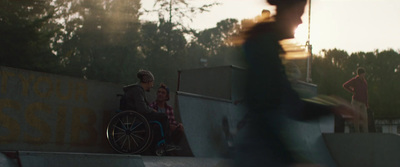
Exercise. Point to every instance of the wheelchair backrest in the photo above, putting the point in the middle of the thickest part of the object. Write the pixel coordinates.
(122, 101)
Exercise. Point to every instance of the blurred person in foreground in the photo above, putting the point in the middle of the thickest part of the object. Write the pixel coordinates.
(269, 95)
(359, 88)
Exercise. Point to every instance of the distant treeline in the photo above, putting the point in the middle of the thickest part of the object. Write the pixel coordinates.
(107, 41)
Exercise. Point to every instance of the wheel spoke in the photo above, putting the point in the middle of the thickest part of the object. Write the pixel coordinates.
(119, 133)
(129, 144)
(139, 131)
(133, 122)
(122, 123)
(137, 125)
(132, 136)
(133, 139)
(115, 126)
(123, 143)
(141, 138)
(127, 122)
(119, 138)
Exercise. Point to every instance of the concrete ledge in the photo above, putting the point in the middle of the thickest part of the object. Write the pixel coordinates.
(364, 149)
(45, 159)
(152, 161)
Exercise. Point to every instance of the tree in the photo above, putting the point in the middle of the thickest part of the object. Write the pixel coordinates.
(327, 67)
(385, 83)
(27, 30)
(163, 62)
(169, 9)
(215, 45)
(100, 39)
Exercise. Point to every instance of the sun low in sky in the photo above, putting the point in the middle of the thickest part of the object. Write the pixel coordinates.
(350, 25)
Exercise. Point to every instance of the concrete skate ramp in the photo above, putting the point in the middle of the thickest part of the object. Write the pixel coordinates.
(203, 121)
(366, 150)
(202, 118)
(203, 109)
(7, 162)
(305, 140)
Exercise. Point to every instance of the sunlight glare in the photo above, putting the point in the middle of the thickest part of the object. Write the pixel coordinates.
(301, 34)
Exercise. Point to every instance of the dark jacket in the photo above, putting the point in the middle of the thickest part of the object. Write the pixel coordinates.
(274, 92)
(136, 99)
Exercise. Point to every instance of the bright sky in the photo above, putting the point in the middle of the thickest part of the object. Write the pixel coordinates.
(350, 25)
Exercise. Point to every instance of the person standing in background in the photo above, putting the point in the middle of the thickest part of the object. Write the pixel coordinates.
(359, 88)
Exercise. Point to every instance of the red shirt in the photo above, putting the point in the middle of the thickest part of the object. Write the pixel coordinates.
(168, 110)
(359, 88)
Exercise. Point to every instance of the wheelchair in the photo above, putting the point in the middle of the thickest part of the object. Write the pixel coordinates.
(129, 132)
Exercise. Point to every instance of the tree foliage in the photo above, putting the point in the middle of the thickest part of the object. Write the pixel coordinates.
(336, 67)
(176, 11)
(213, 45)
(27, 30)
(100, 38)
(105, 40)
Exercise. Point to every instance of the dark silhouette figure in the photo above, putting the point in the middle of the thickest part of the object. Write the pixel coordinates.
(269, 95)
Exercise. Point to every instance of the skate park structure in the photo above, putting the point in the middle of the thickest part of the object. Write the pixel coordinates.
(48, 120)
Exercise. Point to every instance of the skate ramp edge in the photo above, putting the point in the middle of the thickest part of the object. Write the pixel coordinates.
(153, 161)
(306, 141)
(63, 159)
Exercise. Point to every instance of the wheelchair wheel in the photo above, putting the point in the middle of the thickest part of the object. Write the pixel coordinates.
(129, 132)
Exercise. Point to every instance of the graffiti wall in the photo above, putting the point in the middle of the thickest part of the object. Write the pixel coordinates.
(46, 112)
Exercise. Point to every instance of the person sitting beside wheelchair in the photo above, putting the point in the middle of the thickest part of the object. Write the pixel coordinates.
(135, 100)
(160, 104)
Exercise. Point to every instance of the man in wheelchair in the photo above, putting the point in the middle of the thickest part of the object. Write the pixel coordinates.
(135, 99)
